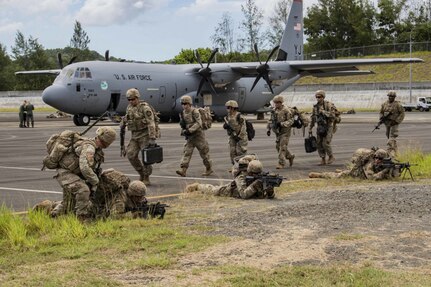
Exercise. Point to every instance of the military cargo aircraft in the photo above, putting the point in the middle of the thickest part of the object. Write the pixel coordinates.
(89, 89)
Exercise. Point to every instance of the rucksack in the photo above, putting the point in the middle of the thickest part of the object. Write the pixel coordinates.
(250, 130)
(206, 117)
(58, 145)
(337, 120)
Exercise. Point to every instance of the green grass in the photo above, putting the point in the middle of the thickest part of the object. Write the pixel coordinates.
(16, 110)
(317, 276)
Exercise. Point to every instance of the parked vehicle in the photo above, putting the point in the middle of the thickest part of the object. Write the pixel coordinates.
(422, 104)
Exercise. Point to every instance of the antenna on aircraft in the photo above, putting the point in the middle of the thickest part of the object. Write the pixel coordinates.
(263, 69)
(205, 72)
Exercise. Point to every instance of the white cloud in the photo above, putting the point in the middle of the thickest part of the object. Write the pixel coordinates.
(111, 12)
(29, 7)
(10, 27)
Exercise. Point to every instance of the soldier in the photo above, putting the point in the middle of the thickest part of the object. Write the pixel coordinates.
(324, 115)
(77, 173)
(191, 124)
(356, 167)
(238, 188)
(29, 108)
(236, 129)
(22, 115)
(365, 164)
(392, 114)
(140, 120)
(282, 118)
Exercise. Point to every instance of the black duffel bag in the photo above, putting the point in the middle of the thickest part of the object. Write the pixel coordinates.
(310, 144)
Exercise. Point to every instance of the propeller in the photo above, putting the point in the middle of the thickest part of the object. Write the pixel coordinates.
(263, 69)
(205, 72)
(107, 55)
(60, 60)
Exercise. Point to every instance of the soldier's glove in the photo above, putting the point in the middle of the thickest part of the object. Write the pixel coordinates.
(268, 133)
(278, 125)
(225, 126)
(187, 133)
(122, 151)
(152, 143)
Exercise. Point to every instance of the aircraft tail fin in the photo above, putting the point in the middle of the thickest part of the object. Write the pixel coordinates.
(292, 42)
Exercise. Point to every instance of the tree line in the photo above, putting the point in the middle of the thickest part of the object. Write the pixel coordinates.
(328, 25)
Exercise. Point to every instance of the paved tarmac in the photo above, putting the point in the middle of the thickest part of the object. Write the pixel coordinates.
(23, 184)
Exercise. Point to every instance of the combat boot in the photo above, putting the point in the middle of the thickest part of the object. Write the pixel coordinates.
(323, 161)
(208, 171)
(291, 158)
(146, 180)
(314, 175)
(280, 166)
(182, 171)
(331, 159)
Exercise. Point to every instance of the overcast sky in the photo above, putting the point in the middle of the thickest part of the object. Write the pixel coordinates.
(141, 30)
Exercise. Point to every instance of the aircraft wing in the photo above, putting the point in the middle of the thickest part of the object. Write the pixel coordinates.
(39, 72)
(346, 67)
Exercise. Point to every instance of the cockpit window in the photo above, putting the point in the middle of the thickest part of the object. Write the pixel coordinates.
(82, 73)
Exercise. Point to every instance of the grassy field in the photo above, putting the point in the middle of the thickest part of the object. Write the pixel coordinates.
(36, 250)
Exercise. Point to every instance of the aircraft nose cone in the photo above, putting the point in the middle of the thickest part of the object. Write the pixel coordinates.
(54, 96)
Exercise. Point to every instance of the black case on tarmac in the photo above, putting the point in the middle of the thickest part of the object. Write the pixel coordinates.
(152, 154)
(310, 144)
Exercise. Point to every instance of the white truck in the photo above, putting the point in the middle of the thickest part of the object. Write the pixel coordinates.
(423, 104)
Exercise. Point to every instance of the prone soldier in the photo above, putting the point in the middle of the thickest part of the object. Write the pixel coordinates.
(236, 129)
(282, 118)
(140, 119)
(191, 129)
(240, 187)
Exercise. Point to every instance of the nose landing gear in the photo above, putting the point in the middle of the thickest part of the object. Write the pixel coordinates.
(81, 120)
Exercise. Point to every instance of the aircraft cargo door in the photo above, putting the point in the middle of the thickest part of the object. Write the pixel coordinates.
(241, 97)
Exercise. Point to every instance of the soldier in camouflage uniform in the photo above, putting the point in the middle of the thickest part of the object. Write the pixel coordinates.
(324, 115)
(281, 124)
(77, 174)
(236, 130)
(140, 120)
(392, 114)
(365, 164)
(115, 197)
(238, 188)
(195, 137)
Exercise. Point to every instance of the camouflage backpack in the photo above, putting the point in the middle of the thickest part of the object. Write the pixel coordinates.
(58, 145)
(206, 117)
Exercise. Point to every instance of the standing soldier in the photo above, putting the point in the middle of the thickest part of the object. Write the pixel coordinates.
(191, 125)
(77, 171)
(392, 114)
(324, 114)
(22, 115)
(140, 120)
(236, 129)
(282, 118)
(29, 108)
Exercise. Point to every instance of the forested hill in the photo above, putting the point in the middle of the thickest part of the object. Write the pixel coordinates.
(421, 72)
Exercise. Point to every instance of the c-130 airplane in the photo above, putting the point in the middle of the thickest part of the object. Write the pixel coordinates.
(89, 89)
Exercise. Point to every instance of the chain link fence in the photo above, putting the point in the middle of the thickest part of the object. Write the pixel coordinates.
(369, 50)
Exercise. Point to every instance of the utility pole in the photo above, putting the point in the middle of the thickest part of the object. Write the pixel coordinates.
(410, 78)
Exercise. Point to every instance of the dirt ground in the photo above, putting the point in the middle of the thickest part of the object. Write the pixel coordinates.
(384, 225)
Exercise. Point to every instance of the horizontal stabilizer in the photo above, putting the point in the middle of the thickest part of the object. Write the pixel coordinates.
(39, 72)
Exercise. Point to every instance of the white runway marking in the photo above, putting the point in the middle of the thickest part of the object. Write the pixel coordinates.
(30, 190)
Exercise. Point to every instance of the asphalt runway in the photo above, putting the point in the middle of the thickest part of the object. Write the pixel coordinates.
(22, 183)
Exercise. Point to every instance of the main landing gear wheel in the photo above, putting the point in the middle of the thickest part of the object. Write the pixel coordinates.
(81, 120)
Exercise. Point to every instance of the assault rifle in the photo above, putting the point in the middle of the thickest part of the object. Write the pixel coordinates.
(402, 167)
(230, 130)
(122, 136)
(154, 210)
(183, 126)
(267, 178)
(381, 121)
(274, 124)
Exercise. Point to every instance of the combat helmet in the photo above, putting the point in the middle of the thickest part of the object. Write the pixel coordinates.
(321, 93)
(255, 166)
(106, 135)
(232, 104)
(278, 99)
(381, 153)
(186, 100)
(132, 93)
(392, 93)
(137, 188)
